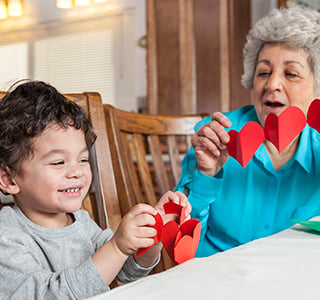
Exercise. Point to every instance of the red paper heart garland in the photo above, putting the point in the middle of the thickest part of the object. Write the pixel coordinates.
(279, 130)
(313, 115)
(244, 144)
(180, 241)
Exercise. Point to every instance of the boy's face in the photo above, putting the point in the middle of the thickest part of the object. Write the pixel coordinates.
(56, 178)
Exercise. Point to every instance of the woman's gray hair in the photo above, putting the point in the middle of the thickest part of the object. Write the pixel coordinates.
(295, 27)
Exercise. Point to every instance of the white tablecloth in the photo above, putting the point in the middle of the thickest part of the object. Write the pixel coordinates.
(283, 266)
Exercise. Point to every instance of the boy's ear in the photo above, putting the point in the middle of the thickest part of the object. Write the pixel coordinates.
(7, 184)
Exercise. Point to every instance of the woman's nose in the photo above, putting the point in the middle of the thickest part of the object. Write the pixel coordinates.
(274, 82)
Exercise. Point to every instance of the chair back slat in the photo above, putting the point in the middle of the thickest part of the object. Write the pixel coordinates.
(131, 176)
(105, 189)
(159, 167)
(157, 124)
(175, 158)
(142, 166)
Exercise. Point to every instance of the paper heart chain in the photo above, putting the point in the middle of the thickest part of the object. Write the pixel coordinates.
(313, 115)
(180, 240)
(243, 144)
(279, 130)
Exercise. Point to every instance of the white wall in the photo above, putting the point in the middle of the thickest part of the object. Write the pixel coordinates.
(261, 8)
(134, 62)
(43, 11)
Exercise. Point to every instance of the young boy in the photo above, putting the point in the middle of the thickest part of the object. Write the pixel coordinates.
(49, 249)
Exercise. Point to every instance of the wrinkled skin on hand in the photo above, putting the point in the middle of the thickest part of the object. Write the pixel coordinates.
(210, 144)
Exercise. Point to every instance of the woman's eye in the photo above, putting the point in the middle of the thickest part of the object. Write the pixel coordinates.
(263, 74)
(84, 160)
(291, 75)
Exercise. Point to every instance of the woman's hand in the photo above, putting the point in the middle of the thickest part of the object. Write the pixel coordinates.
(178, 198)
(210, 144)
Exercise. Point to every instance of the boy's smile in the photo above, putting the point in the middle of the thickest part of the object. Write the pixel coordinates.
(55, 179)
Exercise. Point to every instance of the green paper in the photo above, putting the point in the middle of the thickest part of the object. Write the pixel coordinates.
(315, 225)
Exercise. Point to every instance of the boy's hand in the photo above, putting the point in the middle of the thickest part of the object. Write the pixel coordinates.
(135, 229)
(176, 197)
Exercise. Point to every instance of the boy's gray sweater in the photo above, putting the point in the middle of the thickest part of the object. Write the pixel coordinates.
(42, 263)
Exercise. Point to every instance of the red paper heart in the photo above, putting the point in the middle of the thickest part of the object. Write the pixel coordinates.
(187, 241)
(158, 226)
(168, 237)
(181, 243)
(171, 229)
(313, 115)
(281, 130)
(174, 208)
(243, 144)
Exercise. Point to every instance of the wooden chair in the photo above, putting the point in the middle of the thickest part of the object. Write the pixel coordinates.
(102, 200)
(146, 153)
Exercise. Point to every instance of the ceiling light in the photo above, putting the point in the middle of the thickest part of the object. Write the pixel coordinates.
(15, 8)
(82, 2)
(3, 9)
(64, 3)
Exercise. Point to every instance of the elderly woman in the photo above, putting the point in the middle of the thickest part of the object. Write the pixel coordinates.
(234, 204)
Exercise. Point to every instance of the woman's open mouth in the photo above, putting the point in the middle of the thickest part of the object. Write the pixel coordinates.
(273, 107)
(273, 104)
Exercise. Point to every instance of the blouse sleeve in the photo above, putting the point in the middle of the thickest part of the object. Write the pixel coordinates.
(200, 188)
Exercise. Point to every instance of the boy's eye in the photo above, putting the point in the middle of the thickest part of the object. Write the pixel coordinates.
(57, 163)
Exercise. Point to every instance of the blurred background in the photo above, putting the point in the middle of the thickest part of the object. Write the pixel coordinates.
(90, 47)
(157, 56)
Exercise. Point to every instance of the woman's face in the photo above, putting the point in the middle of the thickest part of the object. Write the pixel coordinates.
(282, 78)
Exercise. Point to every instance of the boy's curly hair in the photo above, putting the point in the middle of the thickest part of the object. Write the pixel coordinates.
(24, 114)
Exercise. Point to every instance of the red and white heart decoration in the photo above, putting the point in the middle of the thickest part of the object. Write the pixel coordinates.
(180, 240)
(280, 130)
(243, 144)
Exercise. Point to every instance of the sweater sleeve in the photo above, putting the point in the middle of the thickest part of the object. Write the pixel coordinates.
(131, 270)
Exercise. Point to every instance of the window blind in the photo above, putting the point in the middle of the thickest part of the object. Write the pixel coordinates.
(94, 54)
